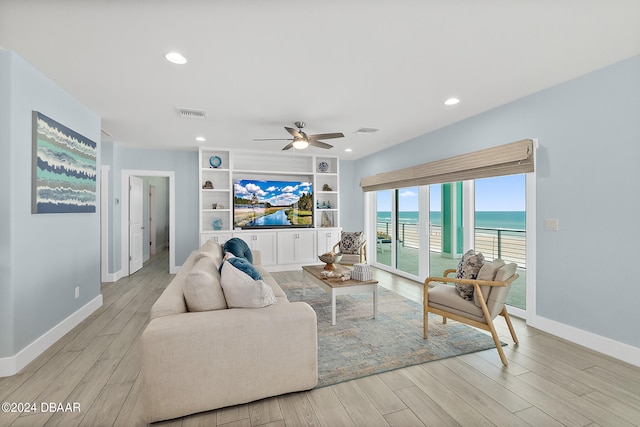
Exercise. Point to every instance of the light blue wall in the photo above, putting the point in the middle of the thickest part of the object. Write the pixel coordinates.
(587, 178)
(351, 216)
(185, 166)
(44, 257)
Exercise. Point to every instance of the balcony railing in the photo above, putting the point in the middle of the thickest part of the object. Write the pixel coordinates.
(504, 243)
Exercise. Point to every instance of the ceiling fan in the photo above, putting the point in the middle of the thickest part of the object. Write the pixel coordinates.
(301, 140)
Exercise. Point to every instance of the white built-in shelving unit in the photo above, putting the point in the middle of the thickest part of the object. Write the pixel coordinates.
(281, 248)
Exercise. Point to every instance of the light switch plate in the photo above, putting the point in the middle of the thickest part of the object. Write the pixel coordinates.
(551, 224)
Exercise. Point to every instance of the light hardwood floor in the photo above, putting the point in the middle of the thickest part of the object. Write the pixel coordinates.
(549, 381)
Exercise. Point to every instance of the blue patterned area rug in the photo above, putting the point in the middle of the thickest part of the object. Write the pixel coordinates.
(359, 345)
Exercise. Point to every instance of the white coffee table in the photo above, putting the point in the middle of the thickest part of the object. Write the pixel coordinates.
(335, 287)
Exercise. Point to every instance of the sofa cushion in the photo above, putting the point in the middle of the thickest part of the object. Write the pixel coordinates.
(468, 268)
(242, 291)
(446, 298)
(239, 248)
(202, 290)
(350, 242)
(212, 249)
(487, 272)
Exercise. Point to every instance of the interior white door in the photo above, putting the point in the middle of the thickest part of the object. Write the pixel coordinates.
(152, 219)
(135, 224)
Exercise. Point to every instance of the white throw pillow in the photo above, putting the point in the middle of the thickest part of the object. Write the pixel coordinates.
(505, 272)
(241, 291)
(201, 289)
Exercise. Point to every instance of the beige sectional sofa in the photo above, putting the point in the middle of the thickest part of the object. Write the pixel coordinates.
(199, 361)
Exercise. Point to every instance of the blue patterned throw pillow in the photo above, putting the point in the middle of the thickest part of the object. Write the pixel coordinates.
(239, 248)
(468, 268)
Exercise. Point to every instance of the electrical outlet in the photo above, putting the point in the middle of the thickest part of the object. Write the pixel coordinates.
(77, 292)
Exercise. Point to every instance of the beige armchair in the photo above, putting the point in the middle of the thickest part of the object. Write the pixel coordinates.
(352, 246)
(489, 302)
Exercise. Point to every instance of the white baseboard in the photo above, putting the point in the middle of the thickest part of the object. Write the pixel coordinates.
(12, 365)
(112, 277)
(615, 349)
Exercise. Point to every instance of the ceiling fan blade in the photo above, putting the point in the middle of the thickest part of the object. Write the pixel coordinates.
(319, 144)
(326, 136)
(286, 147)
(273, 139)
(294, 132)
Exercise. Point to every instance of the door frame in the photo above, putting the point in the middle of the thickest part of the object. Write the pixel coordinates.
(152, 219)
(124, 214)
(104, 225)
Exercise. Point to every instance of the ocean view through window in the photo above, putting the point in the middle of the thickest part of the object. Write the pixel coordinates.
(499, 228)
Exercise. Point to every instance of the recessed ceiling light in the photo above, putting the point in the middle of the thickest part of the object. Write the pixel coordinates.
(201, 139)
(451, 101)
(348, 150)
(176, 58)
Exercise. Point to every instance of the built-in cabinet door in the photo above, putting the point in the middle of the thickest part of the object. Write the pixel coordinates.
(326, 239)
(263, 241)
(297, 247)
(306, 247)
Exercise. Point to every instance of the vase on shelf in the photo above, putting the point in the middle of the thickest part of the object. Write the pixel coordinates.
(326, 221)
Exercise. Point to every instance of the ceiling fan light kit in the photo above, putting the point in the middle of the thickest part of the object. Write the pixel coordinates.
(300, 144)
(301, 140)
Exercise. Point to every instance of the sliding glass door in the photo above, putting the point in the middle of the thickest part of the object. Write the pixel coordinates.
(446, 236)
(500, 226)
(407, 238)
(384, 227)
(419, 230)
(400, 231)
(487, 214)
(424, 231)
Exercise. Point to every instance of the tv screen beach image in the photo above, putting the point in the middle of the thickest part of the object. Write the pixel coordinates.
(272, 203)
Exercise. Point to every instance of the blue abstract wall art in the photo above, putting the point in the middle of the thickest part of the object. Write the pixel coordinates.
(64, 169)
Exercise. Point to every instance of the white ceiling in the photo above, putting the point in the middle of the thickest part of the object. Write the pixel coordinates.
(340, 65)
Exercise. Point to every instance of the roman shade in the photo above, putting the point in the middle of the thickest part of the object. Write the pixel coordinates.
(508, 159)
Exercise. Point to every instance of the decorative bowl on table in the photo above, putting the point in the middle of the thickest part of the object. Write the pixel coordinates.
(330, 259)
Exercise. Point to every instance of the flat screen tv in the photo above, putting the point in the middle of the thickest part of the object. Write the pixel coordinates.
(272, 204)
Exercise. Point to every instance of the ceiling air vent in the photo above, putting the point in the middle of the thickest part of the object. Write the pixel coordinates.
(367, 130)
(189, 113)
